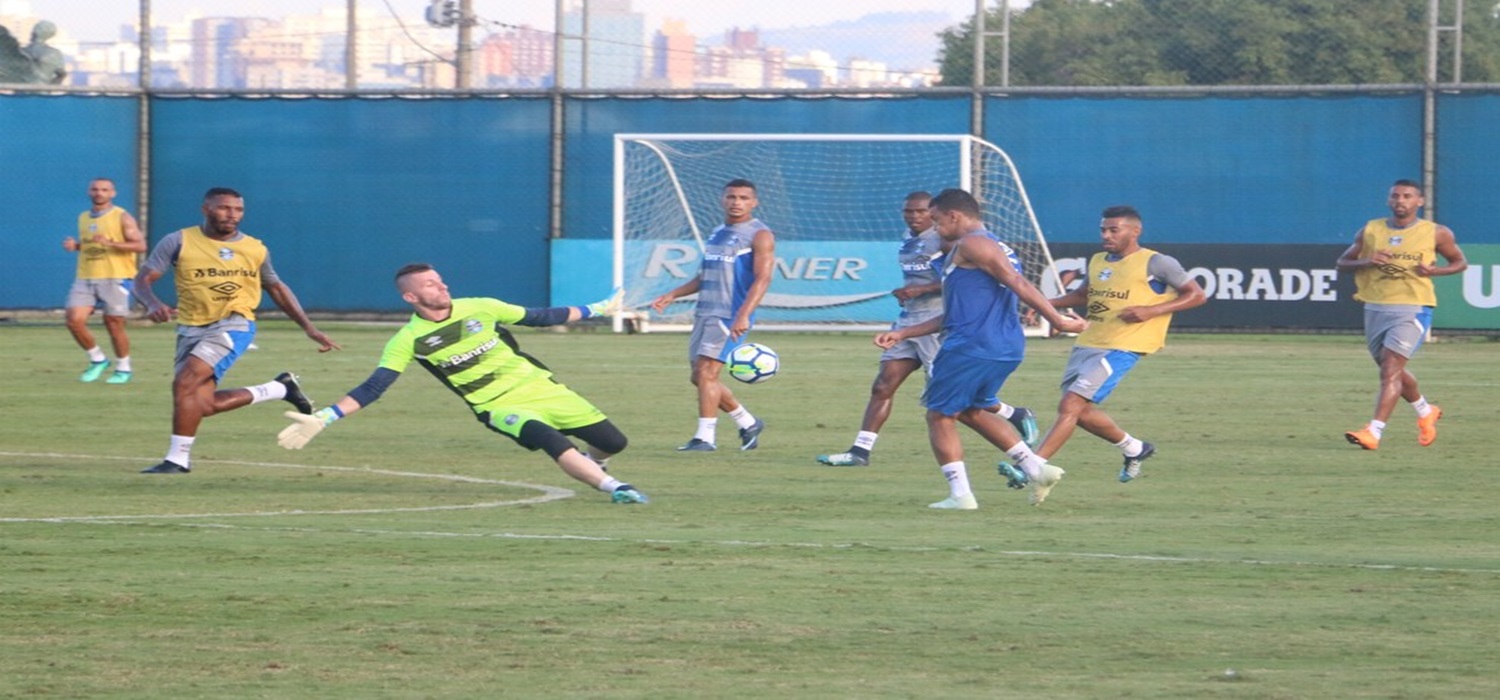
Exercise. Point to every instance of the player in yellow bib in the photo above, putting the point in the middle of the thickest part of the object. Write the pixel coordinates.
(220, 273)
(1394, 260)
(1130, 294)
(108, 241)
(463, 343)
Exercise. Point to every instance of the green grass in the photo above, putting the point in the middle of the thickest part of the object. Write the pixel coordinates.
(1258, 540)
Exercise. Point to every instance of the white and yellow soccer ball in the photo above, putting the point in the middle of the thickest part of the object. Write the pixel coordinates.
(753, 363)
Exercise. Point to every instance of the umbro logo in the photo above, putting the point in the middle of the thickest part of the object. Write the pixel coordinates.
(225, 288)
(432, 341)
(1392, 269)
(1098, 308)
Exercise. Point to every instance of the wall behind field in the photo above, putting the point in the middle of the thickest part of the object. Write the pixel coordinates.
(346, 189)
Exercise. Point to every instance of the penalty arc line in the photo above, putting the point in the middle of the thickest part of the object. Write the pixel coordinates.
(549, 493)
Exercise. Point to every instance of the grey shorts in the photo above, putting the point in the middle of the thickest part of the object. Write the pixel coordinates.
(219, 344)
(1399, 327)
(1093, 373)
(923, 348)
(711, 339)
(113, 294)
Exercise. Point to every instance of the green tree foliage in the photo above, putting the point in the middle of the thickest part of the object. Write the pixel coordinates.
(1223, 42)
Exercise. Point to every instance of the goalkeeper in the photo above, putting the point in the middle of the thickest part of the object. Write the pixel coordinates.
(462, 343)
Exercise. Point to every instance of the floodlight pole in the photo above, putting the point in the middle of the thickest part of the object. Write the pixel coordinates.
(976, 117)
(351, 45)
(143, 123)
(464, 53)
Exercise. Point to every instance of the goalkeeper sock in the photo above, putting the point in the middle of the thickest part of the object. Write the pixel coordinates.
(610, 484)
(270, 391)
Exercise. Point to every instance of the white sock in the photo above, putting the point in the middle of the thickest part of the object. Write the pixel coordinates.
(1006, 410)
(1423, 408)
(96, 355)
(123, 364)
(1377, 428)
(609, 484)
(270, 391)
(706, 428)
(1029, 462)
(958, 479)
(1130, 446)
(742, 417)
(180, 450)
(865, 440)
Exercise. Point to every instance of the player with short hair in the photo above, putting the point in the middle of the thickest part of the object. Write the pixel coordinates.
(982, 344)
(463, 343)
(921, 298)
(108, 241)
(219, 273)
(1394, 260)
(738, 261)
(1130, 293)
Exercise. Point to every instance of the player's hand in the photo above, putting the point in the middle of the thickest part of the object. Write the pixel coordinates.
(1071, 324)
(661, 303)
(324, 342)
(610, 306)
(1137, 314)
(161, 313)
(70, 245)
(302, 430)
(1380, 257)
(887, 339)
(1424, 270)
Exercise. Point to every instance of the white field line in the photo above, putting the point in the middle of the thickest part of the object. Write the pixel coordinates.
(553, 493)
(549, 493)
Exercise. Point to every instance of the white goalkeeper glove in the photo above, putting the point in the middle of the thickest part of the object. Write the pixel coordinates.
(607, 307)
(304, 427)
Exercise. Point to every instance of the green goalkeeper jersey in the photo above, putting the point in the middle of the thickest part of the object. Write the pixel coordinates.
(469, 351)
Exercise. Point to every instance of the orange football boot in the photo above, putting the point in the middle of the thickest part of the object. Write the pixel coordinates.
(1427, 427)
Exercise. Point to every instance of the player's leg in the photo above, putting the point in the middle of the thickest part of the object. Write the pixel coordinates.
(891, 375)
(76, 312)
(1393, 337)
(115, 295)
(948, 449)
(531, 416)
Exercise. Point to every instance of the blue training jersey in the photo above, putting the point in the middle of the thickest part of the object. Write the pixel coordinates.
(982, 317)
(728, 270)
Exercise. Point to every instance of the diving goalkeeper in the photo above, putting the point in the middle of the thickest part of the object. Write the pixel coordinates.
(462, 343)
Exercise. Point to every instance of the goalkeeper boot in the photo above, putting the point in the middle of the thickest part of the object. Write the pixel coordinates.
(697, 445)
(95, 370)
(625, 493)
(855, 457)
(1014, 477)
(964, 502)
(294, 395)
(750, 437)
(1363, 437)
(1043, 483)
(118, 377)
(1025, 421)
(167, 467)
(1132, 468)
(1427, 427)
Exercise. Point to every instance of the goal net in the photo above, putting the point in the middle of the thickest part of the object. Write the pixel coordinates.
(834, 202)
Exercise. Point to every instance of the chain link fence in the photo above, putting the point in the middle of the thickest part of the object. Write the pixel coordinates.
(777, 45)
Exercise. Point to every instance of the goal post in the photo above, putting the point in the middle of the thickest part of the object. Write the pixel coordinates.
(834, 203)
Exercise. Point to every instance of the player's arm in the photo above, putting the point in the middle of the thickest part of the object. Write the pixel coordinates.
(156, 264)
(305, 427)
(990, 257)
(1446, 246)
(558, 315)
(764, 247)
(912, 291)
(1167, 269)
(1077, 297)
(896, 335)
(1354, 256)
(287, 302)
(691, 286)
(134, 242)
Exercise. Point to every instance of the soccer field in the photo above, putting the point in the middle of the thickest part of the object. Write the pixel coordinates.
(409, 552)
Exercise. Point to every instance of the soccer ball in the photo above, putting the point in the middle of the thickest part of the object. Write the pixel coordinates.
(752, 363)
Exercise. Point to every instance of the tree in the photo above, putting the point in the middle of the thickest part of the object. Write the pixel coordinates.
(1220, 42)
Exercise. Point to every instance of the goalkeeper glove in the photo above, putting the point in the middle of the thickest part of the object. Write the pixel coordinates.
(304, 427)
(606, 307)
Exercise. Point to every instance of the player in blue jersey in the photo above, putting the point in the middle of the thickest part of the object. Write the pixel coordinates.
(983, 343)
(921, 298)
(464, 344)
(738, 260)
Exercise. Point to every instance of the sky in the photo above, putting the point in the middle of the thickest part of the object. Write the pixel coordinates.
(99, 20)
